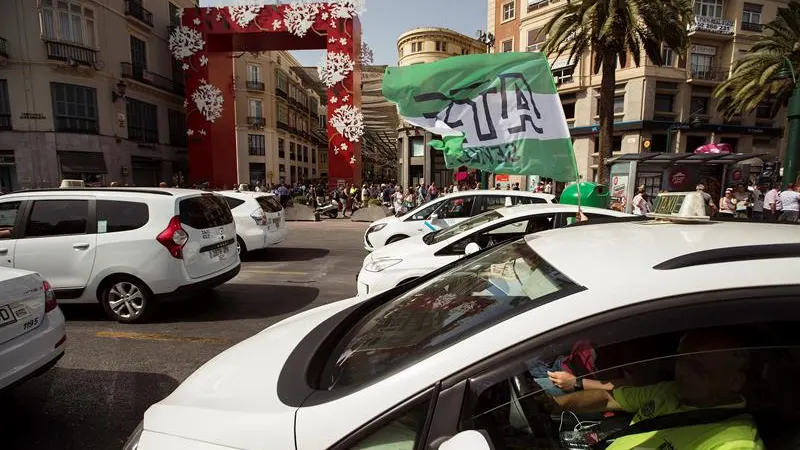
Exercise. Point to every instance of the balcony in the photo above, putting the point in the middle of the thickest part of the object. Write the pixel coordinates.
(755, 27)
(255, 86)
(135, 9)
(3, 47)
(282, 125)
(144, 135)
(71, 53)
(5, 121)
(706, 73)
(256, 121)
(713, 26)
(280, 93)
(142, 75)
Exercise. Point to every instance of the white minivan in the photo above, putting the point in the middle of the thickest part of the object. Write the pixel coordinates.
(259, 216)
(127, 248)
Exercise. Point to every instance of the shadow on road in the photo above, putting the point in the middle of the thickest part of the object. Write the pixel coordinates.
(227, 302)
(79, 409)
(282, 254)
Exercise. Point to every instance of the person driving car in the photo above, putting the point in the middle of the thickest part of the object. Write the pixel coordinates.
(708, 375)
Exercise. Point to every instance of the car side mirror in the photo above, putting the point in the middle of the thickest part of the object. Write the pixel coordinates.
(434, 216)
(472, 248)
(467, 440)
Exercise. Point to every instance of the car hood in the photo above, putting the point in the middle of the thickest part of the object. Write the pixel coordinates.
(232, 400)
(401, 249)
(386, 219)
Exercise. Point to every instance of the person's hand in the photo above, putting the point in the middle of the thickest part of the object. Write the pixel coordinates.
(563, 380)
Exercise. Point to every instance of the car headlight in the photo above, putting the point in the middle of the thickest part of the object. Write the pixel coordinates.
(377, 227)
(379, 265)
(133, 441)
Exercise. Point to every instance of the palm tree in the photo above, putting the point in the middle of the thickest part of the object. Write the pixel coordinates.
(612, 29)
(754, 78)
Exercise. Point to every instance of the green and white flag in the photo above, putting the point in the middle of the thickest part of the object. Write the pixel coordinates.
(497, 112)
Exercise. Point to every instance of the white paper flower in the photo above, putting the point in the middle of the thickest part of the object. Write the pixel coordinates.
(179, 13)
(331, 40)
(345, 99)
(203, 60)
(344, 147)
(343, 41)
(324, 16)
(333, 24)
(219, 17)
(349, 122)
(276, 24)
(345, 9)
(335, 150)
(333, 100)
(189, 132)
(299, 17)
(185, 66)
(244, 12)
(185, 103)
(353, 160)
(203, 132)
(185, 42)
(335, 67)
(208, 99)
(196, 21)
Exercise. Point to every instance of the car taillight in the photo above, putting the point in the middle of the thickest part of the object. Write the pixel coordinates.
(259, 216)
(50, 302)
(174, 238)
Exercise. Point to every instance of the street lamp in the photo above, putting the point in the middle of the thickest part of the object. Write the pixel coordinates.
(793, 116)
(692, 122)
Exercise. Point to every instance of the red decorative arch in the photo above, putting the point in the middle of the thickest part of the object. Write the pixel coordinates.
(205, 42)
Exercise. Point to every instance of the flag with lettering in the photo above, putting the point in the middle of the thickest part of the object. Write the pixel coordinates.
(497, 112)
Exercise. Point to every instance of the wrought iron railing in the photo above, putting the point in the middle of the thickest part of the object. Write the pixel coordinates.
(3, 47)
(757, 27)
(62, 51)
(139, 73)
(708, 73)
(255, 85)
(256, 121)
(135, 9)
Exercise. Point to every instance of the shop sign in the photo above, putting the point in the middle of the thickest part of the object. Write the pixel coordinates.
(669, 203)
(712, 25)
(501, 178)
(678, 178)
(704, 50)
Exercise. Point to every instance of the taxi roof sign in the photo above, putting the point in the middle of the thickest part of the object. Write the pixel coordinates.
(682, 207)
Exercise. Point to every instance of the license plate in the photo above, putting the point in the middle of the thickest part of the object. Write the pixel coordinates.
(220, 253)
(7, 316)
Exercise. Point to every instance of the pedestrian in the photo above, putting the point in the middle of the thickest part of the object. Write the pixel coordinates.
(790, 201)
(772, 201)
(727, 204)
(641, 206)
(711, 208)
(516, 187)
(743, 201)
(757, 194)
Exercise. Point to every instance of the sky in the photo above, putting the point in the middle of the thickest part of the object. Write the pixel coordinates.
(384, 21)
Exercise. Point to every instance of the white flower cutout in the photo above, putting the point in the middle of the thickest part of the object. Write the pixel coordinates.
(335, 150)
(244, 12)
(353, 160)
(276, 24)
(343, 41)
(203, 60)
(185, 66)
(324, 16)
(333, 100)
(345, 9)
(331, 40)
(208, 99)
(349, 122)
(179, 13)
(333, 24)
(219, 17)
(185, 103)
(185, 42)
(189, 132)
(203, 132)
(345, 99)
(334, 68)
(299, 17)
(196, 21)
(344, 147)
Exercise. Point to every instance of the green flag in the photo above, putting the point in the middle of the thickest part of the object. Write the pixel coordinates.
(497, 112)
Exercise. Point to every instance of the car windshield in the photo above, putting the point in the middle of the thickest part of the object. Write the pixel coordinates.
(457, 304)
(446, 233)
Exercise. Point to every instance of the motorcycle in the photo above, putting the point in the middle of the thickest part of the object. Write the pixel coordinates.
(331, 210)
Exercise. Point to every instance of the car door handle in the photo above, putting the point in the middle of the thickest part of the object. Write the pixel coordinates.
(81, 246)
(3, 251)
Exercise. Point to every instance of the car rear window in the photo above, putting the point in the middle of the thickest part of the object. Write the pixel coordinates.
(205, 211)
(233, 202)
(269, 204)
(116, 216)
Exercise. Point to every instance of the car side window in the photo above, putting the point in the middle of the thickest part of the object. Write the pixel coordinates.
(528, 200)
(425, 212)
(456, 208)
(57, 218)
(116, 216)
(492, 202)
(491, 237)
(8, 218)
(233, 202)
(401, 433)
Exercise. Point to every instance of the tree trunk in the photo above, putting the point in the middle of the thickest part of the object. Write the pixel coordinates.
(606, 114)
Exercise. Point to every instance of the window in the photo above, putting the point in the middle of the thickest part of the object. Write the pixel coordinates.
(305, 153)
(417, 144)
(74, 108)
(253, 73)
(416, 47)
(256, 108)
(568, 104)
(68, 22)
(142, 121)
(282, 81)
(323, 157)
(8, 216)
(507, 46)
(58, 218)
(751, 14)
(174, 11)
(444, 234)
(5, 106)
(492, 202)
(269, 203)
(664, 102)
(138, 53)
(667, 56)
(177, 127)
(256, 144)
(619, 104)
(396, 334)
(233, 202)
(116, 216)
(283, 113)
(313, 156)
(503, 232)
(402, 433)
(702, 65)
(764, 111)
(292, 155)
(281, 148)
(535, 39)
(205, 211)
(698, 105)
(708, 8)
(508, 11)
(455, 208)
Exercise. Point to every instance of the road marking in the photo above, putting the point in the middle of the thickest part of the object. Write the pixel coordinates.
(274, 272)
(156, 337)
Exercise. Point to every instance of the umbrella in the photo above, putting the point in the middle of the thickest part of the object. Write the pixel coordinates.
(714, 148)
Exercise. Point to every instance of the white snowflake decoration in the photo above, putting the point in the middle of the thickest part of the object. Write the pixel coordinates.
(343, 41)
(333, 100)
(345, 9)
(179, 13)
(208, 99)
(219, 17)
(349, 122)
(335, 150)
(353, 160)
(324, 16)
(243, 13)
(299, 17)
(185, 42)
(203, 132)
(185, 66)
(203, 60)
(345, 99)
(331, 40)
(189, 132)
(333, 24)
(196, 21)
(335, 67)
(276, 24)
(185, 103)
(344, 147)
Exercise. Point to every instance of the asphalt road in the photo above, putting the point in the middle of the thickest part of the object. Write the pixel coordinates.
(112, 373)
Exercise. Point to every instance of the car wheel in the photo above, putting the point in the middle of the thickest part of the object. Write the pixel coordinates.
(399, 237)
(241, 249)
(127, 300)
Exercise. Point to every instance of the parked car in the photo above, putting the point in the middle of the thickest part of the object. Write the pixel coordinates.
(456, 350)
(32, 331)
(411, 258)
(126, 248)
(443, 212)
(259, 218)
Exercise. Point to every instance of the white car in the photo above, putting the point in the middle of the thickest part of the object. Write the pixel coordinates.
(444, 212)
(259, 217)
(126, 248)
(463, 348)
(32, 331)
(404, 261)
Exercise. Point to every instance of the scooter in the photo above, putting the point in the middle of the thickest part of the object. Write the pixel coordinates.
(331, 209)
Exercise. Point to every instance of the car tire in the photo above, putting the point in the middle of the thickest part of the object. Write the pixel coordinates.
(396, 238)
(240, 247)
(127, 299)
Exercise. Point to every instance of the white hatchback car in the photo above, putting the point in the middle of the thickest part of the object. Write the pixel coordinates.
(259, 216)
(464, 348)
(126, 248)
(404, 261)
(444, 212)
(32, 331)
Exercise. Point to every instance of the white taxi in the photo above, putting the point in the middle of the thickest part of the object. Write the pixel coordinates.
(462, 350)
(444, 212)
(402, 262)
(259, 217)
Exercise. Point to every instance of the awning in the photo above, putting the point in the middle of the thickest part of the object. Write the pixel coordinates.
(684, 158)
(82, 162)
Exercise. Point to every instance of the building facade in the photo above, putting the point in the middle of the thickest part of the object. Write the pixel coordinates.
(666, 108)
(418, 162)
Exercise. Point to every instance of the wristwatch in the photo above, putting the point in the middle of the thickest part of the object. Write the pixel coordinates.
(578, 384)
